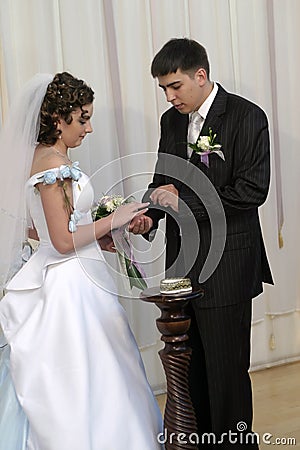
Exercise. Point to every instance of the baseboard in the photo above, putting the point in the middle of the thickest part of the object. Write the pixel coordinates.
(280, 362)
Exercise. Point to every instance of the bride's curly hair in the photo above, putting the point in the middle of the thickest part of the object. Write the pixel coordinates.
(64, 94)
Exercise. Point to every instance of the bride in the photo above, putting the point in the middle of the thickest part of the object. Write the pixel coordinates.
(71, 376)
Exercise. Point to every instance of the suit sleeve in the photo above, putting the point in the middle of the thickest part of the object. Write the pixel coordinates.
(159, 179)
(247, 185)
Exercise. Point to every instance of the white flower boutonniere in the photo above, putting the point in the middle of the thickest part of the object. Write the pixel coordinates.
(205, 145)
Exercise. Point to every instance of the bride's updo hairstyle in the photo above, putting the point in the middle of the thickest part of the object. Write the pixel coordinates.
(64, 94)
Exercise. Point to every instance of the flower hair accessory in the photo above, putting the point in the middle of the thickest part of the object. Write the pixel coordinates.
(205, 145)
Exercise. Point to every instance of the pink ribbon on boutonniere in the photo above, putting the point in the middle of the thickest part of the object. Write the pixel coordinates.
(204, 158)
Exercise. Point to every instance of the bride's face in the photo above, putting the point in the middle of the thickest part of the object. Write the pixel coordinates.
(72, 134)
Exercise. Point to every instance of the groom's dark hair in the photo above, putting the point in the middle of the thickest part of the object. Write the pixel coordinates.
(184, 54)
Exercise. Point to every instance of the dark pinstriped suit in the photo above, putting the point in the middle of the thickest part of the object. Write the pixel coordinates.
(220, 328)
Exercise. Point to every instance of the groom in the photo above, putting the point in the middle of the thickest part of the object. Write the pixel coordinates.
(221, 322)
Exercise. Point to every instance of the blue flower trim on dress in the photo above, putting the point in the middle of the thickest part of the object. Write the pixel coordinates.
(74, 219)
(49, 177)
(74, 172)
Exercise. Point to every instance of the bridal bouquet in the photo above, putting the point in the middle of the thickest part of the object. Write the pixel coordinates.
(131, 269)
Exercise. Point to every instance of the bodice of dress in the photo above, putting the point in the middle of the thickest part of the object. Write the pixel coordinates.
(83, 197)
(32, 274)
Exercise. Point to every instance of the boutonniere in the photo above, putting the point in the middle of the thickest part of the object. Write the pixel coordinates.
(205, 145)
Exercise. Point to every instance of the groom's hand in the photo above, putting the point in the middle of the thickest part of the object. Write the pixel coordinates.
(140, 224)
(106, 243)
(166, 195)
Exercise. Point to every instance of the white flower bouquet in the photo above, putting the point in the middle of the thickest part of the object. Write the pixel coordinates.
(130, 268)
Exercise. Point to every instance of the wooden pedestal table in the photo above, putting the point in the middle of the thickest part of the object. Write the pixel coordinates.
(179, 417)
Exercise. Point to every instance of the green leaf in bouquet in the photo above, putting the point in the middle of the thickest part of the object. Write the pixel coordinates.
(101, 212)
(135, 277)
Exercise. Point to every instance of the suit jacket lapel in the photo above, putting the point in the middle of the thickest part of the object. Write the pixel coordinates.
(214, 117)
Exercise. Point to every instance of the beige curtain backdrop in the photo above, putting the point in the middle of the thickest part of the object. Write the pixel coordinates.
(253, 46)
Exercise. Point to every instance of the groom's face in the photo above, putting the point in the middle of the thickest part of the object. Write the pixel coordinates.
(183, 90)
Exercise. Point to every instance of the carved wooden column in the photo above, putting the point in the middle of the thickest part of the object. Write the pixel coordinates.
(179, 418)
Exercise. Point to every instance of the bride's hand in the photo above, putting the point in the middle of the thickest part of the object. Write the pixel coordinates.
(125, 213)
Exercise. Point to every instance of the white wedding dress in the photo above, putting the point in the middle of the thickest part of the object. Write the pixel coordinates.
(73, 363)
